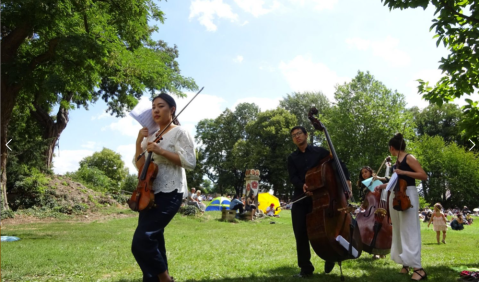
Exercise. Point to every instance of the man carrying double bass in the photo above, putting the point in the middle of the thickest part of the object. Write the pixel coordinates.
(299, 162)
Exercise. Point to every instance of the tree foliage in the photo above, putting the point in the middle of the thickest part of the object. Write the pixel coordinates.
(267, 148)
(109, 162)
(451, 170)
(366, 115)
(457, 27)
(71, 53)
(439, 120)
(218, 137)
(299, 105)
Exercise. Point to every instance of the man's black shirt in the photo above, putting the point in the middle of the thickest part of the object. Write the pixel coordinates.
(299, 163)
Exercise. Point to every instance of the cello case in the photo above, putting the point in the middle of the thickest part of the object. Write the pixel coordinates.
(332, 230)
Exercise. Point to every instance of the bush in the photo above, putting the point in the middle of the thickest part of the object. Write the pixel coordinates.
(35, 183)
(189, 210)
(7, 214)
(129, 183)
(93, 178)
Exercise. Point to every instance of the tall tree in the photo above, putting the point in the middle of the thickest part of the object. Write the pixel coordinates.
(71, 53)
(439, 120)
(267, 148)
(194, 177)
(299, 104)
(457, 27)
(365, 117)
(218, 138)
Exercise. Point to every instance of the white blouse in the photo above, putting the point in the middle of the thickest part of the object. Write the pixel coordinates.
(170, 176)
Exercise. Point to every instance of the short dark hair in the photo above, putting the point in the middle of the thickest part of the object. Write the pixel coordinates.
(298, 127)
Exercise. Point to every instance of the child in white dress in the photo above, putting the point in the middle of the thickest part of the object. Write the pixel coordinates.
(439, 223)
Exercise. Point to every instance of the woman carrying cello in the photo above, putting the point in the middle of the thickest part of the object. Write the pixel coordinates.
(172, 155)
(406, 241)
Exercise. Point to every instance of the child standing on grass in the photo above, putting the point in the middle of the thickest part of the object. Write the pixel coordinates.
(439, 223)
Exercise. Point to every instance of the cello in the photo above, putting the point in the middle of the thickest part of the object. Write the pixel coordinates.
(332, 230)
(375, 222)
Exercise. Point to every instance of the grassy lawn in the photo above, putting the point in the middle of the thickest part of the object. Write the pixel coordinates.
(205, 249)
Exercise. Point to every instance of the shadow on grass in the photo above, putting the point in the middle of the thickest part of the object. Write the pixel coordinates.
(364, 272)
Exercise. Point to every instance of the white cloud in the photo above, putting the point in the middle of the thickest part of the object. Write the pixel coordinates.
(101, 116)
(318, 4)
(238, 59)
(432, 76)
(386, 49)
(303, 74)
(89, 145)
(206, 12)
(127, 153)
(412, 97)
(255, 7)
(68, 160)
(126, 126)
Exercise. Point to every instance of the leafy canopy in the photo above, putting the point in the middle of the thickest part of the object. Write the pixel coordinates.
(457, 27)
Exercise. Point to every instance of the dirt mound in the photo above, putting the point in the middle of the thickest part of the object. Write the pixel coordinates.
(64, 195)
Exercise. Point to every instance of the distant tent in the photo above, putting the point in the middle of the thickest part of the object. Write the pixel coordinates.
(218, 203)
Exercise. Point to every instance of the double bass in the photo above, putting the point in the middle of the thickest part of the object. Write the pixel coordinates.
(375, 222)
(332, 230)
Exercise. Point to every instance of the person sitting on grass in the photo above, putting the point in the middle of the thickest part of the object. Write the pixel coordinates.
(200, 202)
(192, 201)
(250, 203)
(271, 210)
(236, 204)
(457, 223)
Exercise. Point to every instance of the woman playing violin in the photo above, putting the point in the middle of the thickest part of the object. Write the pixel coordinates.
(365, 173)
(406, 240)
(173, 154)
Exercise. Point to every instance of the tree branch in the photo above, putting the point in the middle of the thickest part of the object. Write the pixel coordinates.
(13, 40)
(469, 18)
(45, 56)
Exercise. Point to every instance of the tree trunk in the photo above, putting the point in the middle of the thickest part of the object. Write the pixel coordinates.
(52, 129)
(9, 95)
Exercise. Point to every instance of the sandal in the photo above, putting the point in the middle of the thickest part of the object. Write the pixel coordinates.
(423, 277)
(404, 270)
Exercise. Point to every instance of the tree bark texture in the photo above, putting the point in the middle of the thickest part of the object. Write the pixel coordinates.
(8, 99)
(52, 129)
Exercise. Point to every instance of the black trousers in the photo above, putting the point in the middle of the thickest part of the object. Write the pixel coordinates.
(148, 246)
(238, 207)
(298, 215)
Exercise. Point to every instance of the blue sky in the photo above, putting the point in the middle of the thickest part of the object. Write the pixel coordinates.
(260, 50)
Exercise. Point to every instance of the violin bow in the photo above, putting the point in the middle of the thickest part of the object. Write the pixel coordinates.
(158, 139)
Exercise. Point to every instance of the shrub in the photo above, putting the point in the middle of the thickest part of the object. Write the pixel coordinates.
(36, 182)
(93, 178)
(189, 210)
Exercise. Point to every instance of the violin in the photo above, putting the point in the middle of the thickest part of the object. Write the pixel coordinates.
(332, 231)
(143, 196)
(375, 222)
(401, 201)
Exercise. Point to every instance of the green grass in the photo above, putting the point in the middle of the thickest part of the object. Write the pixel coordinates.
(205, 249)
